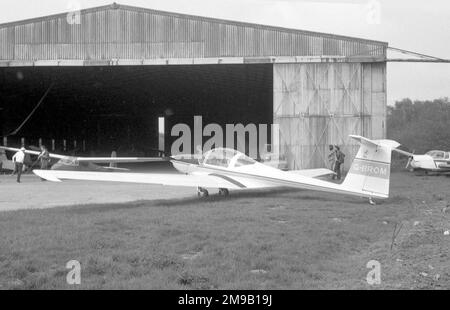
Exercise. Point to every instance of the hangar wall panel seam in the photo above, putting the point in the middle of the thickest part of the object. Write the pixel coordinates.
(317, 105)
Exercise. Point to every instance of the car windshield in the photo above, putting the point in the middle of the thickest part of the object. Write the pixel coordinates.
(436, 154)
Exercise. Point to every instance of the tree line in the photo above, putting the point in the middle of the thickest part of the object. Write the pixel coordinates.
(420, 126)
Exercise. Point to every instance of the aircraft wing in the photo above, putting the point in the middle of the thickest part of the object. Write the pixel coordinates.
(312, 173)
(209, 181)
(12, 149)
(98, 160)
(107, 160)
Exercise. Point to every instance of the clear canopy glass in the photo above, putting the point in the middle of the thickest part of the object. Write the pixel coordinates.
(227, 158)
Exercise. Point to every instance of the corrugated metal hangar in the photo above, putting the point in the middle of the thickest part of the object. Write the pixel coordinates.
(113, 70)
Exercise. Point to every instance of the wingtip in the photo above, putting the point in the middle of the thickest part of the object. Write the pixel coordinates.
(45, 174)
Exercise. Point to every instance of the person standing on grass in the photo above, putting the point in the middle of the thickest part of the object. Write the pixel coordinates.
(339, 161)
(332, 159)
(18, 160)
(44, 157)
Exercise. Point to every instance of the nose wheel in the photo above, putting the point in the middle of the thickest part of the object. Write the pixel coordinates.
(201, 192)
(224, 192)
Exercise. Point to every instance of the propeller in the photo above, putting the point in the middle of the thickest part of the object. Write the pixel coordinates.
(410, 159)
(409, 162)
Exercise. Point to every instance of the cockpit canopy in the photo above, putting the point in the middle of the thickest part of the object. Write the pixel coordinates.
(227, 158)
(438, 154)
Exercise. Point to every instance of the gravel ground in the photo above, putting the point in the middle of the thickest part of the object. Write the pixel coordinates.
(32, 193)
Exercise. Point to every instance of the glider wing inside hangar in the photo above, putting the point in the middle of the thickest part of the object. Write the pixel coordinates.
(97, 160)
(75, 163)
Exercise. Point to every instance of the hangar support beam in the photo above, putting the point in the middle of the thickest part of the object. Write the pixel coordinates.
(189, 61)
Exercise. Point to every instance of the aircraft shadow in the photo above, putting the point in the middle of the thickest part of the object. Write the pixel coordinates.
(294, 194)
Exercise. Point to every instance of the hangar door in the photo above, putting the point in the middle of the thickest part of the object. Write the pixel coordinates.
(319, 104)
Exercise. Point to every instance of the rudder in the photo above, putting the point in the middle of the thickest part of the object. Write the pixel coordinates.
(370, 170)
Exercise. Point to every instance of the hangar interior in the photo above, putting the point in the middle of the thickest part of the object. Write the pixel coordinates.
(115, 69)
(117, 108)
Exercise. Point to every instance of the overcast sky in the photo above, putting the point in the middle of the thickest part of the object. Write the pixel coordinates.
(421, 26)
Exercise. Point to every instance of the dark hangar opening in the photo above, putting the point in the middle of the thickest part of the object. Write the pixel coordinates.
(117, 108)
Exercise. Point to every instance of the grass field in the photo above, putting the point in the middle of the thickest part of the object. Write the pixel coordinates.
(282, 239)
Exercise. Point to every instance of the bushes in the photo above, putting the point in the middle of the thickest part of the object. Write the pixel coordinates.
(420, 126)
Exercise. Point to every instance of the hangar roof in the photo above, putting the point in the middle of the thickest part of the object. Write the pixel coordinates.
(125, 35)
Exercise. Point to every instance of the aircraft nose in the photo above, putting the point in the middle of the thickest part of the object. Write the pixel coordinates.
(181, 166)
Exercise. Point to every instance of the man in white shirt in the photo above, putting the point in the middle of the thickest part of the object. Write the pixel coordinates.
(18, 160)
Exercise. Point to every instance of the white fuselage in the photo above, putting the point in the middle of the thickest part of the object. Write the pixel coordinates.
(259, 175)
(427, 162)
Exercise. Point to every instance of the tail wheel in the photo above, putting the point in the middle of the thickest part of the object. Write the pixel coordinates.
(224, 192)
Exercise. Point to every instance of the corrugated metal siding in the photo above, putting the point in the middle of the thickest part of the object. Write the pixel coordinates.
(321, 104)
(132, 33)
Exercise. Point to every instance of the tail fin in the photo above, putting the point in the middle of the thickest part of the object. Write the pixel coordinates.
(370, 170)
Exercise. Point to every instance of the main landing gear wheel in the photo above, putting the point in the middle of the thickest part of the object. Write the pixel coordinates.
(224, 192)
(201, 192)
(373, 203)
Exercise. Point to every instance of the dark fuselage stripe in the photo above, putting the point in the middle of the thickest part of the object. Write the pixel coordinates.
(232, 181)
(373, 161)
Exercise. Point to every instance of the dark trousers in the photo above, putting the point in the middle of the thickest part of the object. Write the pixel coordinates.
(44, 165)
(19, 168)
(337, 170)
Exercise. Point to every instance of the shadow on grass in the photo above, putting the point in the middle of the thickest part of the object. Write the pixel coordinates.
(188, 202)
(294, 194)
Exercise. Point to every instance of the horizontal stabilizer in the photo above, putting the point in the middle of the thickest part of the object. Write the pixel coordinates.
(379, 143)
